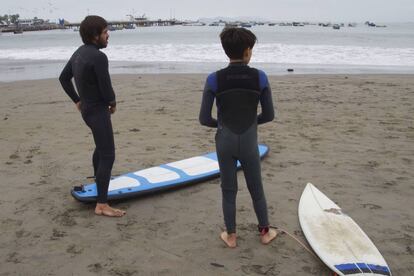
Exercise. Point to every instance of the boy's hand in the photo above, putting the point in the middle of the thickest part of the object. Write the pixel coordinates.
(78, 106)
(112, 109)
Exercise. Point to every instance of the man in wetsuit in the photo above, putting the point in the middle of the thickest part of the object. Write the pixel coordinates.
(96, 102)
(238, 89)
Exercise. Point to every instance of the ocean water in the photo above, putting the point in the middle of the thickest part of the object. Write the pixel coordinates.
(190, 49)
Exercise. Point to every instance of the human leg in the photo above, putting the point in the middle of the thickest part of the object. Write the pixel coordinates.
(99, 121)
(95, 161)
(250, 162)
(228, 177)
(254, 183)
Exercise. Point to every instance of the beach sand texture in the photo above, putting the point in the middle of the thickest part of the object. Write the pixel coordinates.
(352, 136)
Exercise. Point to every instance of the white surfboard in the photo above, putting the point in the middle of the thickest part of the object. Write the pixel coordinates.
(336, 238)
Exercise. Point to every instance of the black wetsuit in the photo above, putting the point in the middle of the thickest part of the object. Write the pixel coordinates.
(89, 67)
(238, 89)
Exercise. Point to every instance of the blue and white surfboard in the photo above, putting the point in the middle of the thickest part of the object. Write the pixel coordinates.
(171, 175)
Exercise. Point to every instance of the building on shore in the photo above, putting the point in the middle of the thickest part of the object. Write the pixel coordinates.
(24, 25)
(31, 22)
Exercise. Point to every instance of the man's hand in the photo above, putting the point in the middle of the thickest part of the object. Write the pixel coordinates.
(112, 109)
(78, 106)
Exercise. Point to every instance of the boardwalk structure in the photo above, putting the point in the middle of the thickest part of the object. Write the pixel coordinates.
(19, 29)
(138, 23)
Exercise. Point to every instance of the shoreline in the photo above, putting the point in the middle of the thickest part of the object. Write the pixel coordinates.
(204, 75)
(16, 70)
(350, 135)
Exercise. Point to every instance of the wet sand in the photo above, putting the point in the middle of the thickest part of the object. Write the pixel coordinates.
(350, 135)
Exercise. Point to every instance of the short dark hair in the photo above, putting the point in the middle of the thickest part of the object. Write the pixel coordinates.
(236, 40)
(91, 27)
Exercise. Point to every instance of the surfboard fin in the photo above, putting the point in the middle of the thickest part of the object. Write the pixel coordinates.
(79, 188)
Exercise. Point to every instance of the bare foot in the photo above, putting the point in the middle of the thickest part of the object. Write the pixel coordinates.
(269, 236)
(229, 239)
(106, 210)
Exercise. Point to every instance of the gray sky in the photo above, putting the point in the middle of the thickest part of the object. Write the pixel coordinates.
(304, 10)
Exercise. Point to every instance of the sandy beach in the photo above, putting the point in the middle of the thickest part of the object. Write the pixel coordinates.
(352, 136)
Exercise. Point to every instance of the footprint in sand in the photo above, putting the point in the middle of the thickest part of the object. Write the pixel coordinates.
(13, 258)
(216, 265)
(373, 164)
(149, 148)
(389, 184)
(160, 110)
(407, 160)
(298, 233)
(14, 156)
(22, 234)
(122, 272)
(130, 224)
(311, 270)
(56, 235)
(96, 268)
(74, 249)
(66, 218)
(259, 269)
(408, 228)
(371, 206)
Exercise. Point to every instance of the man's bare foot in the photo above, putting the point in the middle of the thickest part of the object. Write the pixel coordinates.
(106, 210)
(269, 236)
(229, 239)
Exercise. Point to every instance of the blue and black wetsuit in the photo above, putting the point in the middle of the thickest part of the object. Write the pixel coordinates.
(238, 89)
(89, 67)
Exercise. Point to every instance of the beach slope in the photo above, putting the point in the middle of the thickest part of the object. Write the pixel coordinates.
(352, 136)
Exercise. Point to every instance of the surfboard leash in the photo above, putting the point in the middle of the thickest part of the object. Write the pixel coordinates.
(283, 231)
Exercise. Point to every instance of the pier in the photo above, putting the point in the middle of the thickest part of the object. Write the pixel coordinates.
(138, 23)
(19, 29)
(41, 25)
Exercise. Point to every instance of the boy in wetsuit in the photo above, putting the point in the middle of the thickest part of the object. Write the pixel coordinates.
(96, 102)
(238, 89)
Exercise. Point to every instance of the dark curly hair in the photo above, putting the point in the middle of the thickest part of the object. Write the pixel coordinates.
(91, 27)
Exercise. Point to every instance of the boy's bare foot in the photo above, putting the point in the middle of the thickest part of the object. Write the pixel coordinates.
(229, 239)
(106, 210)
(269, 236)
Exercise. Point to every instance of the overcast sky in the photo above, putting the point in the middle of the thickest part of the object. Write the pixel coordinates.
(301, 10)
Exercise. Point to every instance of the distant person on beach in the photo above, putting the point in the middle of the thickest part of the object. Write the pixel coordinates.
(238, 89)
(96, 102)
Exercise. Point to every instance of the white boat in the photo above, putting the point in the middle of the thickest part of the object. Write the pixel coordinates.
(193, 23)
